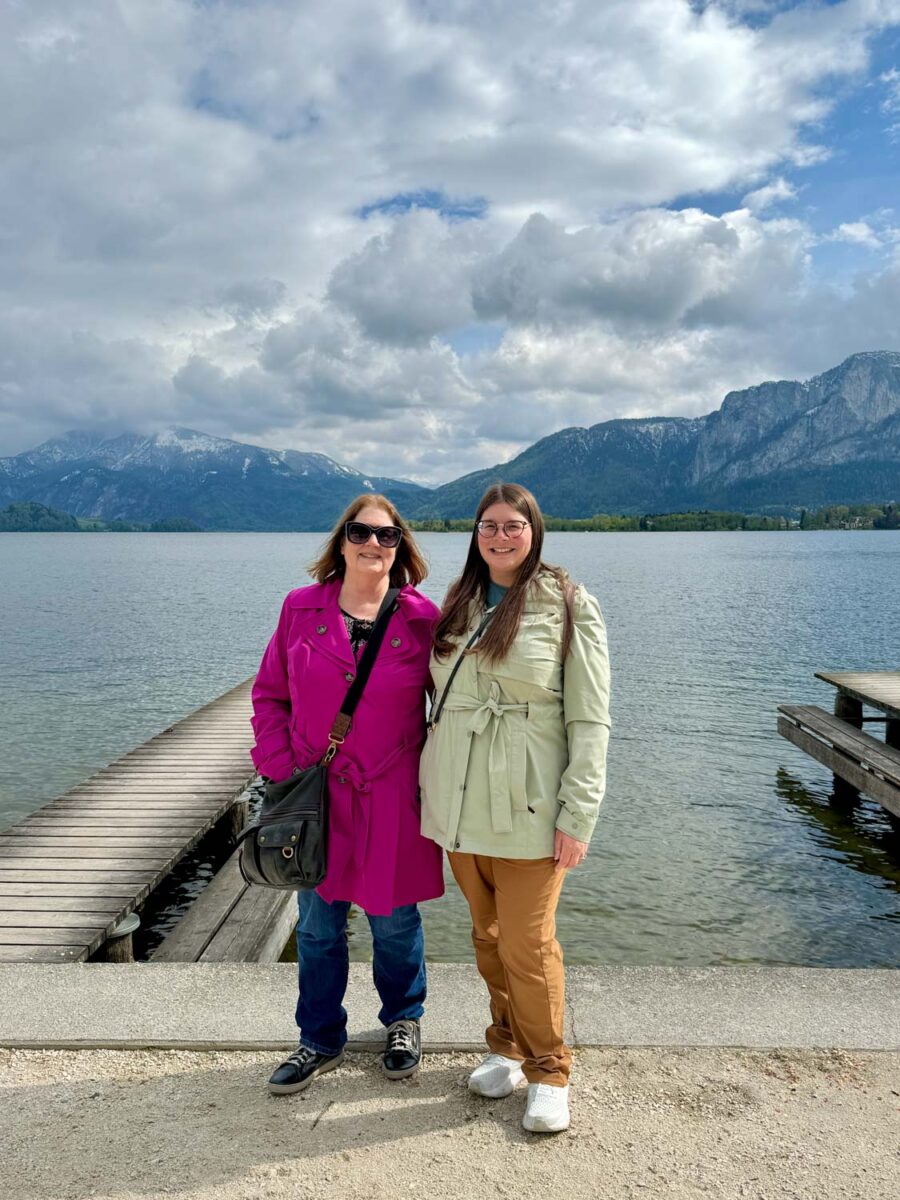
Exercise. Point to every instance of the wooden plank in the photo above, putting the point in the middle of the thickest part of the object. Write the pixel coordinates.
(852, 741)
(42, 954)
(187, 777)
(174, 826)
(56, 890)
(15, 840)
(53, 855)
(229, 760)
(111, 870)
(63, 920)
(141, 785)
(82, 937)
(840, 764)
(137, 805)
(210, 733)
(181, 792)
(75, 826)
(878, 689)
(256, 929)
(183, 765)
(186, 761)
(193, 933)
(226, 727)
(140, 801)
(61, 904)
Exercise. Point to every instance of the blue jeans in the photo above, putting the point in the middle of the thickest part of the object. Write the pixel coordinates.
(398, 967)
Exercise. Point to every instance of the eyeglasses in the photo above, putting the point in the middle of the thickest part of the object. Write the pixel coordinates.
(512, 529)
(359, 533)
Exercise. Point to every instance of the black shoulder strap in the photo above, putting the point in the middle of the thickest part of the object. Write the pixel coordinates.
(341, 724)
(438, 708)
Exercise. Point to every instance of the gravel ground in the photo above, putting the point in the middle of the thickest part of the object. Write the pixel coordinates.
(679, 1123)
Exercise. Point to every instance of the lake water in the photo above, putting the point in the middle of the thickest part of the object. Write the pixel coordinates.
(717, 842)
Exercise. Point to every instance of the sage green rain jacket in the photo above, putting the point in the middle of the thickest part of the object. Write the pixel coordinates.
(520, 747)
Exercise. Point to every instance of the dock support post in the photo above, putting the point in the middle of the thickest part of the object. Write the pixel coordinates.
(119, 946)
(237, 818)
(849, 710)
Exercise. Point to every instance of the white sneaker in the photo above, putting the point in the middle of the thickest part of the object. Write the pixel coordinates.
(548, 1108)
(496, 1076)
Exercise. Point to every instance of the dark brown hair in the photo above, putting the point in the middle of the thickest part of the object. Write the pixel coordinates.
(409, 565)
(472, 585)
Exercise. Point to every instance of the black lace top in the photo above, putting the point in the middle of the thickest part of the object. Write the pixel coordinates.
(358, 631)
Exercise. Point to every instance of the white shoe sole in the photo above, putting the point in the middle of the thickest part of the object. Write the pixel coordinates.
(500, 1090)
(543, 1125)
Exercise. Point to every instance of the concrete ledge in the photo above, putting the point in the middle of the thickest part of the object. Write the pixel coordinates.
(250, 1006)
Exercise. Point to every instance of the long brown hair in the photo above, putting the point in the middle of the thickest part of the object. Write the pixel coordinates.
(409, 565)
(472, 585)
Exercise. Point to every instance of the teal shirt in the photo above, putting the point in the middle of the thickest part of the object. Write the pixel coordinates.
(495, 593)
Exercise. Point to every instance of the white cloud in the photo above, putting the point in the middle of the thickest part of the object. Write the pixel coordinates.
(180, 237)
(411, 282)
(770, 194)
(653, 270)
(857, 233)
(890, 104)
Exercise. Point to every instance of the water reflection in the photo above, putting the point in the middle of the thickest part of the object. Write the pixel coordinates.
(858, 833)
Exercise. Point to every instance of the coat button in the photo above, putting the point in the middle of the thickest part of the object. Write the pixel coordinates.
(321, 629)
(457, 845)
(349, 676)
(342, 778)
(395, 642)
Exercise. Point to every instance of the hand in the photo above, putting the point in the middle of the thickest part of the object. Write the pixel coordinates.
(568, 851)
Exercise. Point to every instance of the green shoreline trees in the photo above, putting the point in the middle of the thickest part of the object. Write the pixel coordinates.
(26, 516)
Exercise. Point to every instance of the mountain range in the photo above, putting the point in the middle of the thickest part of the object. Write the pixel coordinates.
(832, 439)
(217, 483)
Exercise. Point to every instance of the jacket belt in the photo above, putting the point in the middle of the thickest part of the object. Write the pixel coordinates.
(506, 752)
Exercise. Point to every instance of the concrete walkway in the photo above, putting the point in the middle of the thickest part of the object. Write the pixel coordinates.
(248, 1007)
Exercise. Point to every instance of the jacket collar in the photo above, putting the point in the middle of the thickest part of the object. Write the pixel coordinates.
(334, 640)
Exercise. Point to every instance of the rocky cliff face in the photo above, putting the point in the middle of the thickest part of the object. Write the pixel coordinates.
(849, 414)
(831, 439)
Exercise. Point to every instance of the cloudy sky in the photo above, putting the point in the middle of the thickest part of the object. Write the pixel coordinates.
(417, 235)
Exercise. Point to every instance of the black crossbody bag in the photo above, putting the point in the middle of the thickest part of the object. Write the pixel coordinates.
(287, 847)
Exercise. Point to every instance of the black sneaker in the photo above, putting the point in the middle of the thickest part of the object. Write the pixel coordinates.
(403, 1051)
(299, 1070)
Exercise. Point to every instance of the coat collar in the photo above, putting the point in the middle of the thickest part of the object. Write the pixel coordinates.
(411, 605)
(329, 632)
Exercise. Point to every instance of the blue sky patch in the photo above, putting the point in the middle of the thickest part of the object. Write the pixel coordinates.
(861, 176)
(475, 339)
(455, 209)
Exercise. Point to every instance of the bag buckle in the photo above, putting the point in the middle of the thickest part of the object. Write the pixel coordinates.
(333, 744)
(287, 851)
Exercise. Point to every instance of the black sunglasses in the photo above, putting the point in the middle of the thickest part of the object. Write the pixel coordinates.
(359, 533)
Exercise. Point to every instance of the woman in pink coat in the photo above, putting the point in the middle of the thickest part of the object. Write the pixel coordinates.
(377, 859)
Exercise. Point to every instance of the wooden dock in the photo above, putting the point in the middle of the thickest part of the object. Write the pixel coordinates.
(230, 921)
(858, 761)
(73, 869)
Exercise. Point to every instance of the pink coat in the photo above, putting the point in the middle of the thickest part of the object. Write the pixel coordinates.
(377, 857)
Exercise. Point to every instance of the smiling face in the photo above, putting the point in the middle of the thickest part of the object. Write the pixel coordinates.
(370, 561)
(504, 555)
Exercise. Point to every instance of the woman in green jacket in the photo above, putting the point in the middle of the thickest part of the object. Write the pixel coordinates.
(512, 775)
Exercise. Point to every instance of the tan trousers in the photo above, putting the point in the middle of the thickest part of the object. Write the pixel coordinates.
(513, 905)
